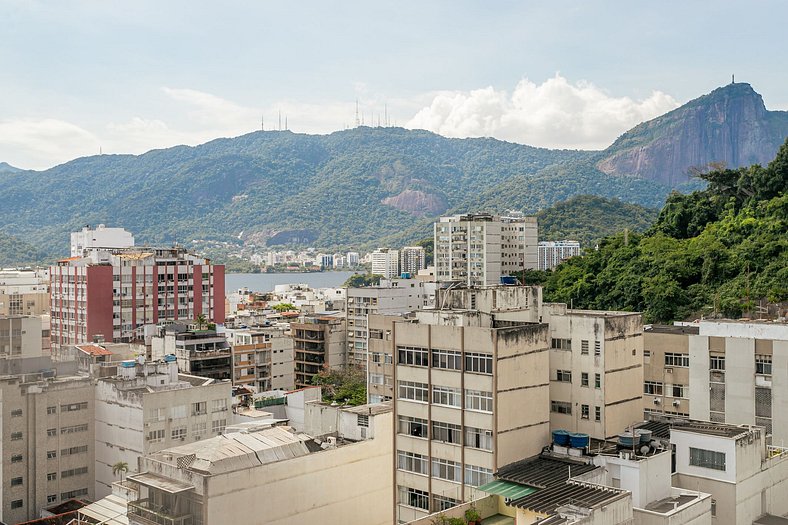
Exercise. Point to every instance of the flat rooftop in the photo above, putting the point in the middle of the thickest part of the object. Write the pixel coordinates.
(671, 329)
(709, 428)
(667, 505)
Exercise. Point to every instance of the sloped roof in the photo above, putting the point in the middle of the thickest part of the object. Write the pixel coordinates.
(93, 349)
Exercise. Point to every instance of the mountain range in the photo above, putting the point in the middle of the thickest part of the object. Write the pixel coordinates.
(371, 186)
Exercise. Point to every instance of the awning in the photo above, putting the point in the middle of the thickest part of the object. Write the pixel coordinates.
(507, 489)
(148, 479)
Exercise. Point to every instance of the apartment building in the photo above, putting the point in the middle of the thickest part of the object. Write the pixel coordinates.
(463, 382)
(204, 353)
(385, 262)
(262, 358)
(115, 293)
(389, 297)
(100, 237)
(553, 253)
(479, 249)
(47, 415)
(274, 475)
(722, 371)
(412, 259)
(21, 336)
(24, 291)
(148, 406)
(319, 343)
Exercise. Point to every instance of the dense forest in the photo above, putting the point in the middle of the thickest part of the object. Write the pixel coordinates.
(711, 252)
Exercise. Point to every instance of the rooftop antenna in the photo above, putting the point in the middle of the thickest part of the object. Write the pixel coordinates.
(285, 122)
(280, 121)
(101, 152)
(733, 79)
(262, 123)
(357, 113)
(385, 115)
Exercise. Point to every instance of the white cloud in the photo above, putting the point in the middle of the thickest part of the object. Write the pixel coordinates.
(554, 114)
(42, 143)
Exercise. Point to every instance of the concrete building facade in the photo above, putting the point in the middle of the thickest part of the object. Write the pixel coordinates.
(319, 343)
(262, 358)
(412, 259)
(204, 353)
(24, 291)
(553, 253)
(385, 262)
(100, 237)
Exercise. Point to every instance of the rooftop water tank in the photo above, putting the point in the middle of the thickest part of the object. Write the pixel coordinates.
(561, 438)
(645, 436)
(169, 358)
(508, 280)
(626, 439)
(578, 440)
(405, 275)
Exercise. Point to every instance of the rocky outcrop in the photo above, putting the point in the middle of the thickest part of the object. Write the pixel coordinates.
(417, 202)
(730, 125)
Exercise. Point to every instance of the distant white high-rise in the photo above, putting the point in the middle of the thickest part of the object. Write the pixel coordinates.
(412, 259)
(553, 253)
(479, 249)
(385, 262)
(101, 237)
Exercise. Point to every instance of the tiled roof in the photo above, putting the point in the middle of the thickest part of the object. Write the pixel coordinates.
(94, 349)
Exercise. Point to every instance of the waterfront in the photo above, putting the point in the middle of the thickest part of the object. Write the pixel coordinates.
(265, 282)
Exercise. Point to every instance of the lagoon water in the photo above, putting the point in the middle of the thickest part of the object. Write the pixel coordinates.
(265, 282)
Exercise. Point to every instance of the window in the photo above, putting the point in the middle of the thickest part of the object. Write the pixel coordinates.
(17, 504)
(597, 413)
(445, 469)
(415, 356)
(51, 498)
(200, 408)
(584, 347)
(414, 498)
(16, 482)
(16, 436)
(448, 396)
(16, 458)
(680, 390)
(51, 476)
(652, 387)
(763, 364)
(71, 494)
(597, 380)
(446, 359)
(717, 362)
(413, 391)
(478, 400)
(362, 420)
(561, 344)
(478, 438)
(377, 379)
(560, 407)
(73, 429)
(178, 432)
(156, 436)
(51, 454)
(74, 450)
(646, 354)
(707, 458)
(585, 411)
(218, 425)
(447, 432)
(674, 359)
(563, 375)
(219, 405)
(413, 426)
(176, 412)
(584, 379)
(51, 410)
(74, 472)
(16, 413)
(479, 363)
(442, 503)
(73, 407)
(597, 348)
(198, 429)
(51, 432)
(412, 462)
(476, 476)
(156, 414)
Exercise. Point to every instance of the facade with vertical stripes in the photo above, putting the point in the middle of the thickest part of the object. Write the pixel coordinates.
(114, 293)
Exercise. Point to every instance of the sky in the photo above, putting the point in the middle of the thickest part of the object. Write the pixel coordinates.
(82, 77)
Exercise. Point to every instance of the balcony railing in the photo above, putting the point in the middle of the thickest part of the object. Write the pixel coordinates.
(143, 511)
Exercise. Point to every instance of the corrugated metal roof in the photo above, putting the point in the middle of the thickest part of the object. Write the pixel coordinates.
(507, 489)
(543, 471)
(579, 494)
(109, 511)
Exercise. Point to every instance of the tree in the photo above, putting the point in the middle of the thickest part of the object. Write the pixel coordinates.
(201, 321)
(343, 386)
(284, 307)
(121, 467)
(359, 280)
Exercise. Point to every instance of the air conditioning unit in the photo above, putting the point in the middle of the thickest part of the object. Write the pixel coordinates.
(657, 401)
(676, 403)
(668, 370)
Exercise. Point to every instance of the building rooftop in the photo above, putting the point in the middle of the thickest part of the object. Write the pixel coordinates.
(372, 409)
(543, 471)
(666, 505)
(671, 329)
(576, 493)
(710, 429)
(93, 349)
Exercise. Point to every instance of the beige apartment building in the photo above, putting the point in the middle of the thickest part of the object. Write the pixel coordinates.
(723, 371)
(472, 395)
(22, 336)
(262, 358)
(24, 291)
(319, 343)
(47, 438)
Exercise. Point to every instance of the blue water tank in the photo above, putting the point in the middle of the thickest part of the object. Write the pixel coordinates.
(169, 358)
(508, 280)
(645, 436)
(128, 364)
(561, 438)
(405, 275)
(626, 439)
(578, 440)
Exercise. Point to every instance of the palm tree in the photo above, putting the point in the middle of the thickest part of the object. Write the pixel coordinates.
(200, 321)
(120, 467)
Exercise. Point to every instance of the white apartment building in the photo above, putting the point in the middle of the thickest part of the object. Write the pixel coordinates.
(471, 396)
(553, 253)
(385, 262)
(147, 407)
(100, 237)
(412, 259)
(46, 420)
(389, 297)
(479, 249)
(353, 259)
(24, 291)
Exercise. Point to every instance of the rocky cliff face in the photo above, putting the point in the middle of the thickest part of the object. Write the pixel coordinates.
(730, 125)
